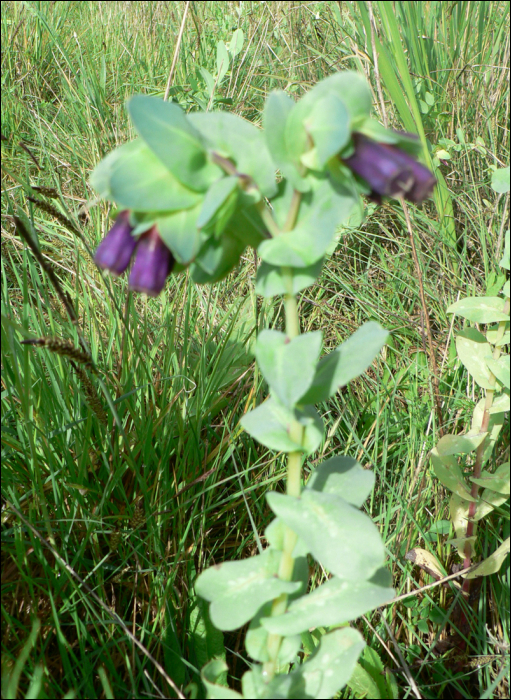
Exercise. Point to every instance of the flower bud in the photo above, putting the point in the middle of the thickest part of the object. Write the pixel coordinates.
(115, 250)
(153, 263)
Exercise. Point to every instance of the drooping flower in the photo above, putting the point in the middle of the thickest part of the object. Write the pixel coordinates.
(390, 171)
(115, 250)
(153, 264)
(153, 260)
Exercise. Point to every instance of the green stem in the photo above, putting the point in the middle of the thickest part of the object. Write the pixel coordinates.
(294, 460)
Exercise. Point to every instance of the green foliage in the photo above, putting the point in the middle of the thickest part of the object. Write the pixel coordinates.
(483, 357)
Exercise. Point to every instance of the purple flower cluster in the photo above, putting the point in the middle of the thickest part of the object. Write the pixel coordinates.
(153, 260)
(389, 171)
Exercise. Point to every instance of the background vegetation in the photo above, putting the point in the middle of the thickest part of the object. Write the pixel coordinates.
(118, 489)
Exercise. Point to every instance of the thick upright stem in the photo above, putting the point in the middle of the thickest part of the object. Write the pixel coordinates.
(294, 462)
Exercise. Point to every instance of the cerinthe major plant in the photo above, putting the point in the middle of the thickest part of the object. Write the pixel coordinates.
(192, 192)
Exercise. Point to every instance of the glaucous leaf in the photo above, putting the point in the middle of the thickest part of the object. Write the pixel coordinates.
(245, 224)
(449, 473)
(473, 350)
(100, 176)
(222, 61)
(488, 501)
(215, 197)
(180, 233)
(347, 362)
(216, 258)
(329, 126)
(269, 424)
(269, 281)
(459, 444)
(276, 111)
(461, 544)
(500, 180)
(363, 685)
(493, 563)
(498, 481)
(340, 537)
(500, 368)
(236, 42)
(237, 589)
(319, 215)
(210, 675)
(328, 670)
(458, 510)
(257, 637)
(344, 477)
(233, 137)
(350, 87)
(333, 603)
(288, 366)
(492, 335)
(174, 141)
(139, 181)
(480, 309)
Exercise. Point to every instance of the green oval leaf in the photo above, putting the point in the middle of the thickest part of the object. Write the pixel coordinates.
(173, 140)
(480, 309)
(498, 481)
(325, 672)
(344, 477)
(236, 42)
(319, 215)
(500, 368)
(347, 362)
(180, 233)
(329, 126)
(139, 181)
(276, 111)
(448, 471)
(340, 537)
(493, 563)
(237, 589)
(270, 424)
(473, 350)
(215, 197)
(210, 675)
(288, 366)
(270, 283)
(500, 180)
(233, 137)
(256, 640)
(333, 603)
(216, 258)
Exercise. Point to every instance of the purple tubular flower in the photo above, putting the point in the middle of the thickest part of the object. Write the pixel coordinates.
(153, 264)
(423, 180)
(115, 250)
(389, 171)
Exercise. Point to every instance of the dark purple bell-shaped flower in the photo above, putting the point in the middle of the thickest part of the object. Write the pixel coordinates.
(115, 250)
(389, 171)
(153, 264)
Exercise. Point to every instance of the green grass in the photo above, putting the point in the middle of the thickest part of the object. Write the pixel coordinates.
(137, 504)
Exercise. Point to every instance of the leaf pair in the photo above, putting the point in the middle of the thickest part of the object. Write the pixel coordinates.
(296, 380)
